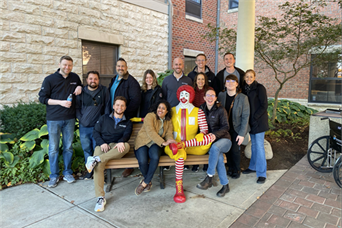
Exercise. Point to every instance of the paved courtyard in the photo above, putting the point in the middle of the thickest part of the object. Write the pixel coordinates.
(299, 197)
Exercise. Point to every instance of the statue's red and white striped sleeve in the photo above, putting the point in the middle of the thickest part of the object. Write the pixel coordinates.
(202, 122)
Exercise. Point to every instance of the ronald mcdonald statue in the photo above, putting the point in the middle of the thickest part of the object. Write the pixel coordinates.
(187, 121)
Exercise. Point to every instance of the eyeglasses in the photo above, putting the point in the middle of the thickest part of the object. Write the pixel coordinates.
(95, 102)
(230, 81)
(210, 95)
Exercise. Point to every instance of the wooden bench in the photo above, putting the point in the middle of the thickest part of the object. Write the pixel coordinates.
(130, 161)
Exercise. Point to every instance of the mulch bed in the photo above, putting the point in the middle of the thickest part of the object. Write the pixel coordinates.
(286, 150)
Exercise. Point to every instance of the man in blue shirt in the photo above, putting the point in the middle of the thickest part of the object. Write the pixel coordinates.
(124, 84)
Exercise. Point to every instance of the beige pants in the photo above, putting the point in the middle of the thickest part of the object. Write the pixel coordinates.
(100, 167)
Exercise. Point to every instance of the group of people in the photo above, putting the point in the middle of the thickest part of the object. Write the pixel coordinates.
(196, 114)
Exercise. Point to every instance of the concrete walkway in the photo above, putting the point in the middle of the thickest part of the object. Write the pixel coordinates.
(299, 197)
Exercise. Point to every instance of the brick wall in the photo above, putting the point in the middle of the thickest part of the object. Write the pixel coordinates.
(297, 87)
(186, 33)
(34, 34)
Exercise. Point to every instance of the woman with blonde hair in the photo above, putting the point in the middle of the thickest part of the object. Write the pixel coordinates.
(258, 121)
(151, 92)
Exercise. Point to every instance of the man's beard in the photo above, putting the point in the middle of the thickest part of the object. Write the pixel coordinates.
(118, 113)
(93, 86)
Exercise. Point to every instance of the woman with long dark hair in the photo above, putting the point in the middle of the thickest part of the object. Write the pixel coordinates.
(201, 85)
(151, 92)
(155, 134)
(258, 121)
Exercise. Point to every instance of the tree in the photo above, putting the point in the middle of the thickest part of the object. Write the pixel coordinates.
(285, 43)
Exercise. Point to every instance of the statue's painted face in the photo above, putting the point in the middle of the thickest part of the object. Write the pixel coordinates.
(184, 97)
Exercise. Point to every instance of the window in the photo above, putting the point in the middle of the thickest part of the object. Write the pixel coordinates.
(326, 80)
(193, 8)
(233, 4)
(189, 64)
(100, 57)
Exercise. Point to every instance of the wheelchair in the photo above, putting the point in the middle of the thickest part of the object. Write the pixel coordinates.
(324, 153)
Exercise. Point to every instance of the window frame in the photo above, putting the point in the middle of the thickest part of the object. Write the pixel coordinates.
(194, 3)
(103, 77)
(312, 79)
(231, 2)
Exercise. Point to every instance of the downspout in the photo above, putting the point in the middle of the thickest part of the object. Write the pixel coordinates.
(217, 35)
(170, 34)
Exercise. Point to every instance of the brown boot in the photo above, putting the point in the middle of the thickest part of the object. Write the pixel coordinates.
(127, 172)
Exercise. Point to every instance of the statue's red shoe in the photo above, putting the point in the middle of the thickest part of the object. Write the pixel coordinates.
(179, 196)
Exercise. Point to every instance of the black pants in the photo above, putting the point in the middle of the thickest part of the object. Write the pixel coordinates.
(234, 155)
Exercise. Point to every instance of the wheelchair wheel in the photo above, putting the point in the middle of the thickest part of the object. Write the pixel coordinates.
(319, 154)
(337, 171)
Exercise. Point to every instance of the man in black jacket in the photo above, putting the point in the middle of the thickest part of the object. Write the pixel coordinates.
(218, 126)
(229, 62)
(111, 134)
(201, 66)
(58, 93)
(90, 106)
(124, 84)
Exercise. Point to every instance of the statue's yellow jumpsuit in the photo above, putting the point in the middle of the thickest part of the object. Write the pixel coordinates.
(185, 126)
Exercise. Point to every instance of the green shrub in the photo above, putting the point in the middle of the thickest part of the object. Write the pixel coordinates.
(21, 118)
(19, 171)
(289, 111)
(27, 159)
(162, 75)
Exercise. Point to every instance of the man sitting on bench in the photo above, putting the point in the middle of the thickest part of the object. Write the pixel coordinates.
(186, 120)
(111, 133)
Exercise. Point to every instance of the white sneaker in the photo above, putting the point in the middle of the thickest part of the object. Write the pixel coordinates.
(91, 163)
(101, 202)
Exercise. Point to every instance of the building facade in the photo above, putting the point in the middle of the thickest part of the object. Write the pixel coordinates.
(308, 87)
(189, 23)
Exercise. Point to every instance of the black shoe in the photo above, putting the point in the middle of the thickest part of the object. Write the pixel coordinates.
(248, 171)
(186, 167)
(229, 173)
(236, 174)
(207, 183)
(195, 168)
(86, 176)
(261, 180)
(205, 168)
(166, 168)
(223, 191)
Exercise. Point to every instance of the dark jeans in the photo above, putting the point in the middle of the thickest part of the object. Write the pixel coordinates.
(144, 154)
(233, 156)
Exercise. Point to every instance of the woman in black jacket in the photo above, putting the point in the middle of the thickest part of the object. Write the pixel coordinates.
(258, 121)
(218, 127)
(151, 93)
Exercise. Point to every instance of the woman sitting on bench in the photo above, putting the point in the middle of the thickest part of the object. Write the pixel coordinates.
(156, 132)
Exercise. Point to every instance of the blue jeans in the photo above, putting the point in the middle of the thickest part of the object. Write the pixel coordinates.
(216, 159)
(143, 154)
(87, 141)
(258, 159)
(55, 128)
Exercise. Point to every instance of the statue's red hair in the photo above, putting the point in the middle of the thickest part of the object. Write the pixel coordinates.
(188, 89)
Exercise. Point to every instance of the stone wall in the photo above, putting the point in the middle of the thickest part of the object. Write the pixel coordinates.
(34, 34)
